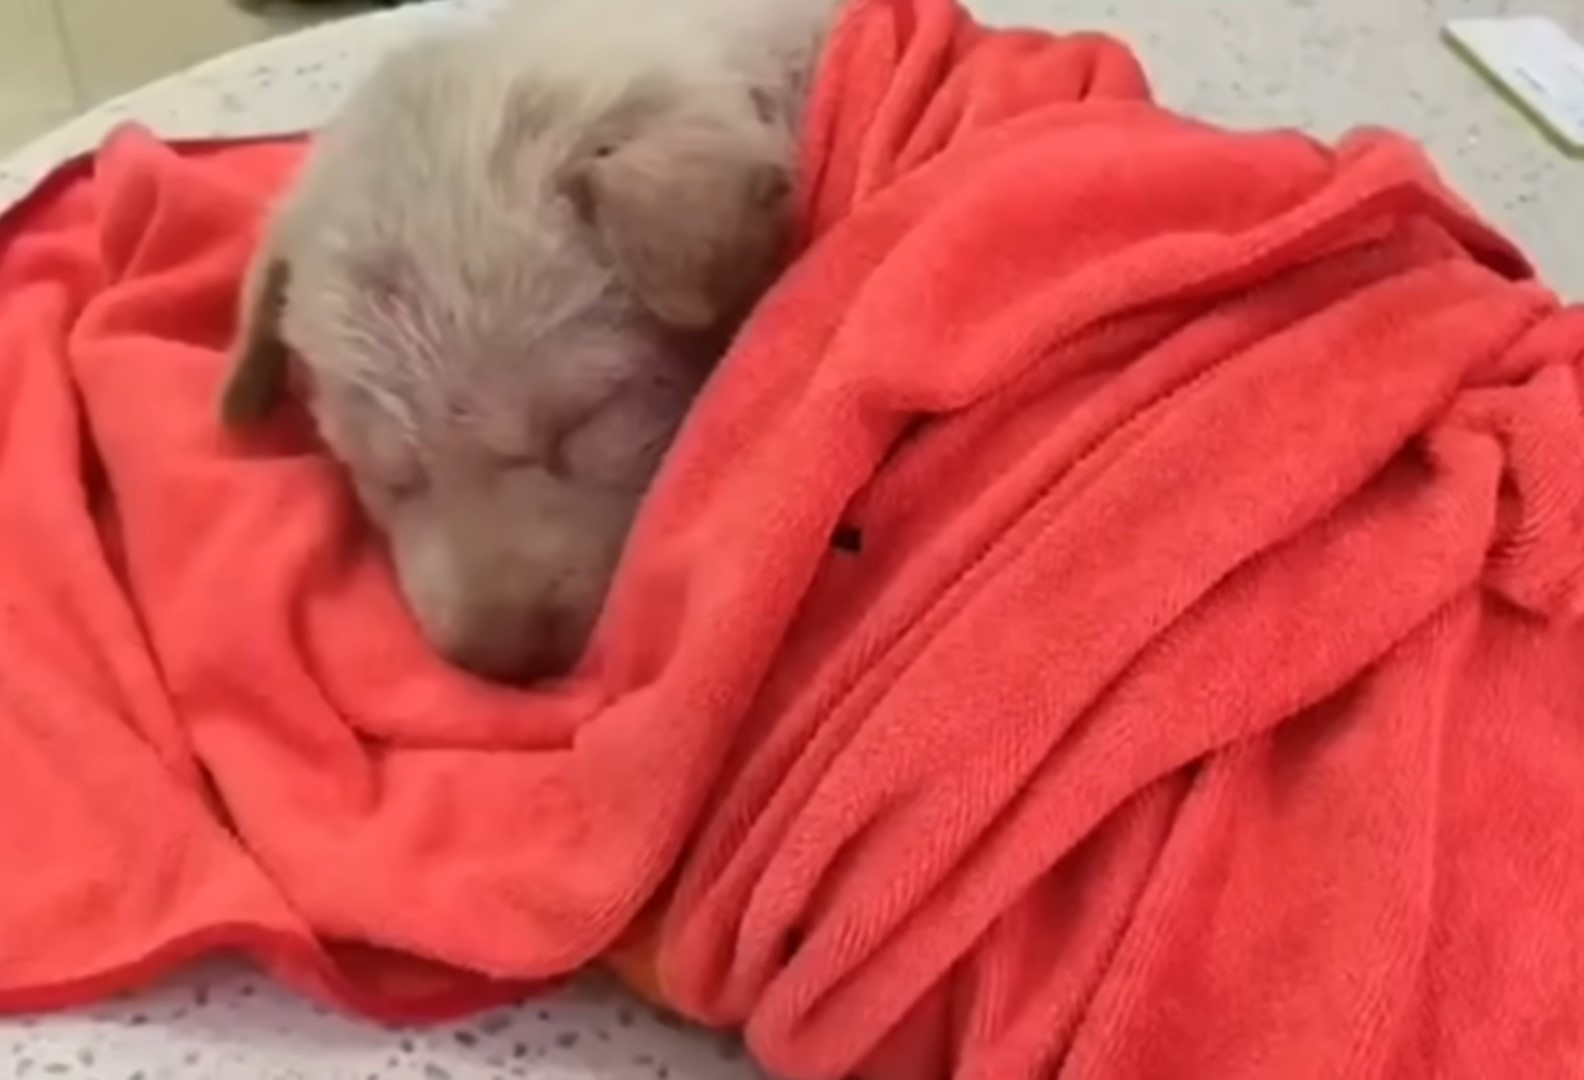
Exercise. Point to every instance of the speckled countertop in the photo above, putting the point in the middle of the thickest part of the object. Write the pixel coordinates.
(1325, 66)
(221, 1022)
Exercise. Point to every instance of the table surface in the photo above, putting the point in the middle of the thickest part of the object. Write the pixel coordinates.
(1325, 67)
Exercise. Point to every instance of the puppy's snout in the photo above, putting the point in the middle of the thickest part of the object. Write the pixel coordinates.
(519, 647)
(494, 630)
(499, 636)
(495, 603)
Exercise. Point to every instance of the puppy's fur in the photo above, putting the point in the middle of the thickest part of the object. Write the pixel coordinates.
(506, 270)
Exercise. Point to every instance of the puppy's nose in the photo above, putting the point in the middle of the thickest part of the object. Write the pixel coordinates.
(520, 650)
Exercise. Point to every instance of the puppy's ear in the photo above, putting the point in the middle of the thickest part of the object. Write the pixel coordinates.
(693, 212)
(258, 355)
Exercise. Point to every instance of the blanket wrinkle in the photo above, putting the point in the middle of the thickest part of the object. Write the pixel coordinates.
(1194, 685)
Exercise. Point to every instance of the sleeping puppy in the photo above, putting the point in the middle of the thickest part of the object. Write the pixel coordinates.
(505, 272)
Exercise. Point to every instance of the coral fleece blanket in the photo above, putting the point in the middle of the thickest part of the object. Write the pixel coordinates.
(1116, 614)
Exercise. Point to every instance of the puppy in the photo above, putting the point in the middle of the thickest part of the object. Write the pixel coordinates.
(506, 270)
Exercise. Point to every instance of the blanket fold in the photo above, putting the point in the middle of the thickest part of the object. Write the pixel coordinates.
(1134, 633)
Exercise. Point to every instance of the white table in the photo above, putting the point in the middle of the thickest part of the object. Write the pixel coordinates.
(1322, 65)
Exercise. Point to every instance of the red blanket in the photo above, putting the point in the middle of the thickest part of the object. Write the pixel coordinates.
(1116, 614)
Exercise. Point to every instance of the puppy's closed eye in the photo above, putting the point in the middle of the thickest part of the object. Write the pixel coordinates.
(383, 496)
(402, 488)
(384, 466)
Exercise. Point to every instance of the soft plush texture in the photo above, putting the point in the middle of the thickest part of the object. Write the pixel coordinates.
(1116, 613)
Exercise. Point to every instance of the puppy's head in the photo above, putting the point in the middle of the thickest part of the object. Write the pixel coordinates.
(504, 296)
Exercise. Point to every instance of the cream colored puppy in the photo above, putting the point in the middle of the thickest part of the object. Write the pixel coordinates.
(506, 270)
